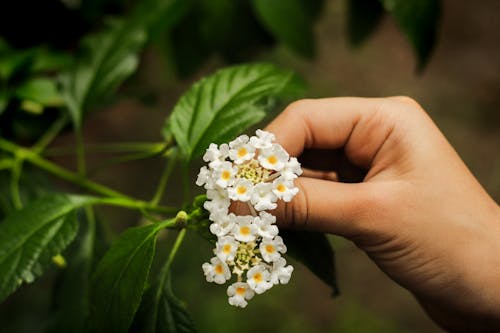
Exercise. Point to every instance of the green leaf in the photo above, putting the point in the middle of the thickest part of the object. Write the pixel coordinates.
(313, 250)
(289, 22)
(30, 237)
(162, 312)
(220, 106)
(363, 16)
(112, 56)
(418, 20)
(120, 279)
(40, 90)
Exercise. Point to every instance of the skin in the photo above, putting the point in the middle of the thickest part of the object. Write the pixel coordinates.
(417, 211)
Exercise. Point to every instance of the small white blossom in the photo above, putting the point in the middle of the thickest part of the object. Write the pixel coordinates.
(217, 271)
(241, 190)
(263, 197)
(225, 248)
(239, 293)
(258, 279)
(244, 229)
(212, 153)
(204, 177)
(224, 174)
(281, 273)
(263, 139)
(271, 248)
(223, 224)
(265, 225)
(284, 189)
(241, 153)
(273, 158)
(292, 169)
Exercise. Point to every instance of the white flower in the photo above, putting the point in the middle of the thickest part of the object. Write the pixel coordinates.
(263, 139)
(241, 190)
(273, 158)
(204, 177)
(284, 189)
(212, 153)
(270, 249)
(239, 293)
(241, 152)
(258, 279)
(280, 272)
(292, 169)
(225, 248)
(217, 271)
(241, 140)
(218, 205)
(245, 230)
(265, 225)
(263, 197)
(223, 224)
(224, 174)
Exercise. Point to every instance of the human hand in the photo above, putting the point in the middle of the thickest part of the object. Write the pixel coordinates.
(418, 213)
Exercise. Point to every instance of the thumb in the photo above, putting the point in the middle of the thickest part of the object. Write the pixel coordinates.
(326, 206)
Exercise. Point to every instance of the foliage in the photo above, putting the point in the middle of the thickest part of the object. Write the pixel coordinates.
(45, 84)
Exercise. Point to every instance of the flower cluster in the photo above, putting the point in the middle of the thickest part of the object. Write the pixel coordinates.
(259, 172)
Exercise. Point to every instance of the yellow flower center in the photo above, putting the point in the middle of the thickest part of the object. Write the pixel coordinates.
(219, 269)
(240, 291)
(226, 248)
(272, 159)
(269, 248)
(245, 230)
(258, 277)
(225, 175)
(242, 152)
(241, 190)
(281, 188)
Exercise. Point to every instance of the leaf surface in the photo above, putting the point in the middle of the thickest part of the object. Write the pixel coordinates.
(120, 279)
(314, 251)
(30, 237)
(220, 106)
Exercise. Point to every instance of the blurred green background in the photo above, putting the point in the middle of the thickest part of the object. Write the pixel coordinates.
(459, 88)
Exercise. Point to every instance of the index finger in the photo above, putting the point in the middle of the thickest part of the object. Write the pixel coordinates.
(332, 123)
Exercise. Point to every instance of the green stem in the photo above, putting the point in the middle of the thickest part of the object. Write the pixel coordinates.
(127, 203)
(14, 183)
(165, 270)
(114, 147)
(58, 171)
(167, 171)
(50, 135)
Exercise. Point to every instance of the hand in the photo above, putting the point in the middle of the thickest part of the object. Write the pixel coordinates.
(418, 213)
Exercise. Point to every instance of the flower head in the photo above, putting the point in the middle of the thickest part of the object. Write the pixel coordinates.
(259, 172)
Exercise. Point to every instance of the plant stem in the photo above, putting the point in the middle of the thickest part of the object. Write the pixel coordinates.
(165, 270)
(14, 184)
(50, 135)
(167, 171)
(28, 155)
(113, 147)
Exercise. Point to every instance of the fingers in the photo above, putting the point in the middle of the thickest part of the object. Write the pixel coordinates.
(325, 206)
(359, 124)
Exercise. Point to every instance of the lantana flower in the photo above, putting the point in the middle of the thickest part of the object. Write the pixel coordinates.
(259, 172)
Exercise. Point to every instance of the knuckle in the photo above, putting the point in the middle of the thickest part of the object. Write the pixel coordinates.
(407, 100)
(297, 106)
